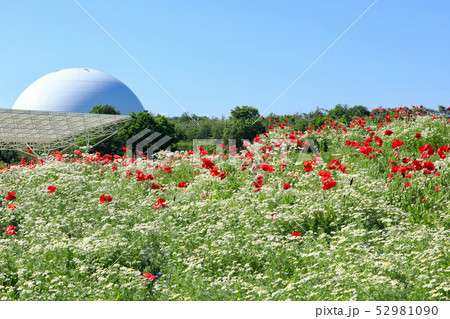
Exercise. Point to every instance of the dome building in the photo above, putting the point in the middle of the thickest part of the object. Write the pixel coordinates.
(77, 90)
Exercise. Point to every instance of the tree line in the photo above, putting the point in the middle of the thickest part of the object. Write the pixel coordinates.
(244, 123)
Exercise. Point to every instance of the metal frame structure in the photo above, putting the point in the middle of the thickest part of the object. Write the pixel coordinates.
(43, 131)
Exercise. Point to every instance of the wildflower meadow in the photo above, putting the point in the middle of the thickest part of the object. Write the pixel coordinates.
(337, 212)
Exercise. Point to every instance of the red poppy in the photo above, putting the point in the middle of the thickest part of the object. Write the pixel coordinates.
(268, 168)
(324, 175)
(388, 133)
(168, 169)
(222, 146)
(124, 148)
(296, 234)
(29, 151)
(105, 198)
(365, 150)
(397, 143)
(334, 163)
(417, 135)
(182, 185)
(149, 277)
(426, 150)
(258, 184)
(10, 230)
(286, 185)
(207, 163)
(11, 196)
(11, 206)
(328, 184)
(160, 202)
(379, 141)
(437, 189)
(155, 186)
(77, 153)
(51, 189)
(307, 166)
(428, 165)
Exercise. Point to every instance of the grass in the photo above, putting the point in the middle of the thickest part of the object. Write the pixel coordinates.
(370, 237)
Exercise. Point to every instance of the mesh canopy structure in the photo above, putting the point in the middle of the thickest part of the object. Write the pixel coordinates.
(44, 131)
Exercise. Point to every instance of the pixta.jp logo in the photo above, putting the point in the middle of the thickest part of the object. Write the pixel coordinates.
(149, 139)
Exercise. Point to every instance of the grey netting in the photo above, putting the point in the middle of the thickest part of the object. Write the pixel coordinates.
(45, 131)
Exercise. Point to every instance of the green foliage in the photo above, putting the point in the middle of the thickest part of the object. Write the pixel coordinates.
(104, 109)
(244, 124)
(139, 122)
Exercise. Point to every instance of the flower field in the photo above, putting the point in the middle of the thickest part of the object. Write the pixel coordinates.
(365, 216)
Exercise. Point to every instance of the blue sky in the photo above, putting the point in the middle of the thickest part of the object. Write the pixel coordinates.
(214, 55)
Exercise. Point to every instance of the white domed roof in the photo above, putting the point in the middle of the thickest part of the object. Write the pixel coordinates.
(77, 90)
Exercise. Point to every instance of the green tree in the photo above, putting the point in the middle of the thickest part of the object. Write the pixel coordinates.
(104, 109)
(358, 111)
(138, 123)
(338, 112)
(244, 124)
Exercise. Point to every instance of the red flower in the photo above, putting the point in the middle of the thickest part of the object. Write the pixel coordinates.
(168, 169)
(397, 143)
(51, 189)
(258, 184)
(11, 196)
(267, 168)
(328, 184)
(417, 135)
(426, 150)
(160, 202)
(222, 146)
(428, 165)
(124, 148)
(11, 206)
(207, 163)
(286, 185)
(437, 189)
(365, 150)
(379, 141)
(105, 198)
(149, 277)
(77, 153)
(307, 166)
(182, 185)
(10, 230)
(388, 132)
(29, 151)
(334, 163)
(324, 175)
(296, 234)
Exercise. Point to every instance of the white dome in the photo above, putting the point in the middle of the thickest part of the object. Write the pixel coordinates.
(77, 90)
